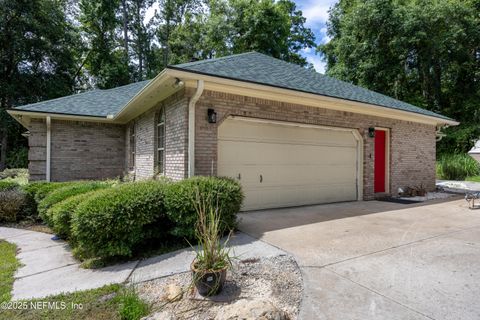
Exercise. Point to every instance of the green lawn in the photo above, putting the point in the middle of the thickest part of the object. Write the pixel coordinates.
(109, 302)
(8, 266)
(474, 179)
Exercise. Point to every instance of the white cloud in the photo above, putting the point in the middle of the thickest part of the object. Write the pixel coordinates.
(317, 62)
(316, 11)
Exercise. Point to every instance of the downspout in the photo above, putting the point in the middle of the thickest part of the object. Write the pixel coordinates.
(191, 127)
(49, 148)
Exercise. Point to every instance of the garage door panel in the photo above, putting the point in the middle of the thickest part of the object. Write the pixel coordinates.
(284, 175)
(264, 153)
(281, 165)
(270, 197)
(278, 133)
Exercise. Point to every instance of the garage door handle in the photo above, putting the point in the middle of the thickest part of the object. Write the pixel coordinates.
(261, 178)
(239, 176)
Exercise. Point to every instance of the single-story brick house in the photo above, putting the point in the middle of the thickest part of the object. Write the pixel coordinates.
(291, 136)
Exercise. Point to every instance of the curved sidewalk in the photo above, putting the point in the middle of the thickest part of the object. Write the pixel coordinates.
(48, 267)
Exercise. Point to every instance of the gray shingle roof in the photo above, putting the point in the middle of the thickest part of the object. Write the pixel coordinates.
(98, 103)
(252, 67)
(262, 69)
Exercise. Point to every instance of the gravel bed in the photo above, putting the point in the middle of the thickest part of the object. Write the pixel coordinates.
(431, 196)
(275, 279)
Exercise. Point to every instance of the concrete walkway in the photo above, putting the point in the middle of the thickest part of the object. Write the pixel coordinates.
(380, 260)
(49, 268)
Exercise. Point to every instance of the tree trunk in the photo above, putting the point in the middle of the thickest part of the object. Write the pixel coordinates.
(140, 41)
(125, 27)
(3, 150)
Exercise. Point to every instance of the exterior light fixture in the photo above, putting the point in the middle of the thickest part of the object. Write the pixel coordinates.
(212, 116)
(371, 132)
(178, 83)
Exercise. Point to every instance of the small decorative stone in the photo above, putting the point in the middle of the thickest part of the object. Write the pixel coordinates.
(173, 292)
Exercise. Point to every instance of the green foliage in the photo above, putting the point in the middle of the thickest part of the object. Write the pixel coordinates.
(21, 174)
(114, 222)
(276, 28)
(61, 213)
(104, 61)
(17, 158)
(457, 167)
(12, 202)
(8, 265)
(62, 193)
(422, 52)
(39, 52)
(131, 306)
(213, 254)
(8, 185)
(222, 192)
(473, 179)
(459, 139)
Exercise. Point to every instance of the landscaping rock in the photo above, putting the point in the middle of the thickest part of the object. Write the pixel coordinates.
(267, 288)
(251, 310)
(173, 292)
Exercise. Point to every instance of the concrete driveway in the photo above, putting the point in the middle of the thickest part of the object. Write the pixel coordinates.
(380, 260)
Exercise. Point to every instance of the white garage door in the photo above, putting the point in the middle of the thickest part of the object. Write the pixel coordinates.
(282, 164)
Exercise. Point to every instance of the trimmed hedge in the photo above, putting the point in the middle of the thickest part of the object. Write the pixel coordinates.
(180, 196)
(62, 212)
(8, 185)
(116, 221)
(65, 192)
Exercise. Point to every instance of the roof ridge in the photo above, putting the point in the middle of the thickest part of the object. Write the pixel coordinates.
(195, 63)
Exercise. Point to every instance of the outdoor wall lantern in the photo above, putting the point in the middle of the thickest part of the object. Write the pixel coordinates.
(371, 132)
(212, 116)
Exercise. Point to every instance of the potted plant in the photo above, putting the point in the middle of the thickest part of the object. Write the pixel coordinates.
(209, 268)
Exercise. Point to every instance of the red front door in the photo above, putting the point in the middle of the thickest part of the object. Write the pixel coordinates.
(380, 161)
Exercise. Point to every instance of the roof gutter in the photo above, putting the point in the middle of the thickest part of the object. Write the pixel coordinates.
(191, 127)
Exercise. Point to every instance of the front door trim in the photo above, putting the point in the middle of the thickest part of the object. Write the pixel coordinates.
(387, 157)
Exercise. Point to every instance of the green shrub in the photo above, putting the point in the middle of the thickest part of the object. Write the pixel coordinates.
(116, 221)
(457, 167)
(8, 185)
(12, 203)
(180, 197)
(13, 173)
(61, 214)
(131, 306)
(60, 194)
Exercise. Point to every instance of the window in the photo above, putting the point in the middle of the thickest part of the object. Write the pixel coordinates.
(160, 141)
(131, 159)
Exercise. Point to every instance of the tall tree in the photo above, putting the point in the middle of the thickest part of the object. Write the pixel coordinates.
(426, 52)
(106, 60)
(38, 60)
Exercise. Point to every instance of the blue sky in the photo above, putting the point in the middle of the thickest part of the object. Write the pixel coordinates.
(316, 12)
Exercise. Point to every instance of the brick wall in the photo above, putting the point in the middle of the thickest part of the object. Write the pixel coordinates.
(176, 139)
(412, 151)
(80, 150)
(37, 142)
(87, 150)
